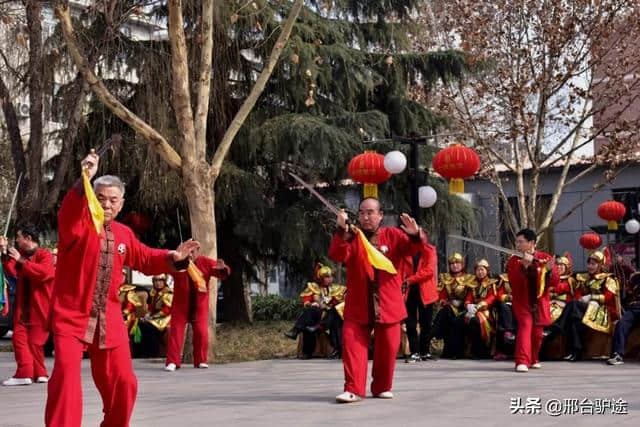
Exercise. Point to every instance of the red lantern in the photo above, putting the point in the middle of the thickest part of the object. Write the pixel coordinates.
(590, 241)
(456, 162)
(368, 168)
(612, 212)
(139, 223)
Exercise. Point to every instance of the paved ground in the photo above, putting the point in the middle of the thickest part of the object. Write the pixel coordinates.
(301, 393)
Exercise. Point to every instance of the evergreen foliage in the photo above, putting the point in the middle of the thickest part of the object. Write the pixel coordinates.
(345, 73)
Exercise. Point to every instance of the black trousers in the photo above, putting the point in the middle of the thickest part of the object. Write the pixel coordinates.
(332, 323)
(449, 327)
(479, 348)
(506, 323)
(630, 318)
(418, 313)
(310, 316)
(151, 341)
(570, 325)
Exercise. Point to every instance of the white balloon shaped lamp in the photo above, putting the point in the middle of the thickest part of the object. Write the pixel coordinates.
(395, 162)
(427, 196)
(632, 226)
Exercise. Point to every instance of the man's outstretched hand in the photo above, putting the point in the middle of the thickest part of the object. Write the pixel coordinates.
(185, 249)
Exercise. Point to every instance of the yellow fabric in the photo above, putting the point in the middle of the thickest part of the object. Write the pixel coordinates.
(375, 257)
(197, 277)
(370, 190)
(95, 209)
(543, 280)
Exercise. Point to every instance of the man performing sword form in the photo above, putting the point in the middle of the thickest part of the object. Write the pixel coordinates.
(531, 274)
(374, 293)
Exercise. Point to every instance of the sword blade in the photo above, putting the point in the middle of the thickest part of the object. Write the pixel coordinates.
(318, 196)
(13, 203)
(488, 245)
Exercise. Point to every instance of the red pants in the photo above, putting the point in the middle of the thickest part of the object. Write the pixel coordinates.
(29, 352)
(528, 340)
(113, 376)
(355, 340)
(200, 335)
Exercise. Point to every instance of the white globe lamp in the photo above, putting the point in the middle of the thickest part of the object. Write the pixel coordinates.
(395, 162)
(632, 226)
(427, 196)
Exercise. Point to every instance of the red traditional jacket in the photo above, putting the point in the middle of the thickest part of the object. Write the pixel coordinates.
(89, 273)
(185, 293)
(379, 300)
(34, 286)
(528, 283)
(426, 275)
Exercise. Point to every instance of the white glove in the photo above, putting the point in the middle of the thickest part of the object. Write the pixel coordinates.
(594, 303)
(456, 303)
(471, 309)
(586, 298)
(469, 315)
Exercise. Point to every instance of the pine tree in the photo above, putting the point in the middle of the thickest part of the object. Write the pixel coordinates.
(345, 73)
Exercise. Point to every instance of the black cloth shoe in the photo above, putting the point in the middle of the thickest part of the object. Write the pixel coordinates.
(335, 354)
(306, 357)
(426, 356)
(571, 357)
(413, 358)
(292, 334)
(313, 329)
(616, 359)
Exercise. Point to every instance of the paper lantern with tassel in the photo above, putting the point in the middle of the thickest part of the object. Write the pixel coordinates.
(456, 162)
(368, 169)
(612, 212)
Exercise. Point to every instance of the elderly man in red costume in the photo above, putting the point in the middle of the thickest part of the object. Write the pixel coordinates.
(85, 306)
(191, 305)
(33, 267)
(530, 278)
(374, 295)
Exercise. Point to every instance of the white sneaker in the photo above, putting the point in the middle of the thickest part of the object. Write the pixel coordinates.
(522, 368)
(348, 397)
(203, 366)
(384, 395)
(170, 367)
(17, 381)
(42, 380)
(536, 366)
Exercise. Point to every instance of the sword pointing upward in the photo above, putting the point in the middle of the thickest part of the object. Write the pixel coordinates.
(13, 203)
(492, 246)
(313, 191)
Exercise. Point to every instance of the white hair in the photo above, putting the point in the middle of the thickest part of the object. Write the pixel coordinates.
(108, 181)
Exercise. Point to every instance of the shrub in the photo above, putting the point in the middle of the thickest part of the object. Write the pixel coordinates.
(275, 307)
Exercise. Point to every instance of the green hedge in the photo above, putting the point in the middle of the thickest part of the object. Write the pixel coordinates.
(275, 307)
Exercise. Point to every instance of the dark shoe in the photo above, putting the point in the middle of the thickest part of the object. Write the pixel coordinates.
(509, 337)
(292, 334)
(313, 329)
(413, 358)
(306, 357)
(426, 356)
(571, 357)
(546, 333)
(335, 354)
(616, 359)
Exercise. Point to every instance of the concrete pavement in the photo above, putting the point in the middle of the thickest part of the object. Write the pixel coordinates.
(301, 393)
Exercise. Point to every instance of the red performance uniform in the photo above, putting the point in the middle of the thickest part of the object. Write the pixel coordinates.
(372, 304)
(531, 308)
(86, 313)
(192, 306)
(561, 294)
(484, 294)
(426, 275)
(31, 316)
